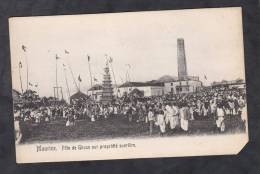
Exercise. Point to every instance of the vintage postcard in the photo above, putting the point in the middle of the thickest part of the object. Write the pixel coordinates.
(128, 85)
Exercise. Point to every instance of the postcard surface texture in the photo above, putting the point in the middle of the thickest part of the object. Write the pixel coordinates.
(128, 85)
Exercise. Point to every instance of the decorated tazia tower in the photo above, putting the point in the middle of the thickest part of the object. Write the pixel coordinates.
(107, 92)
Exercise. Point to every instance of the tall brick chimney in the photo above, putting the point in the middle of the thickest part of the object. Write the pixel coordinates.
(181, 58)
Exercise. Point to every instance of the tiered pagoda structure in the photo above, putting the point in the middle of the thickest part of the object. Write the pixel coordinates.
(107, 92)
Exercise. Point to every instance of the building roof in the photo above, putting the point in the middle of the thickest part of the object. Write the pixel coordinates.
(79, 94)
(141, 84)
(231, 82)
(167, 78)
(96, 87)
(100, 87)
(136, 92)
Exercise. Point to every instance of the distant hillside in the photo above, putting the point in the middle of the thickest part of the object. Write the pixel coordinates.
(167, 78)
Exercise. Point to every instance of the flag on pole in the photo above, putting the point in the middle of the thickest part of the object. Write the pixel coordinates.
(205, 77)
(95, 79)
(57, 57)
(20, 64)
(88, 58)
(79, 78)
(30, 84)
(66, 52)
(24, 48)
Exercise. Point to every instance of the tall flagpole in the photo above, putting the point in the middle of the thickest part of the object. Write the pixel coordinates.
(21, 83)
(89, 70)
(71, 72)
(66, 80)
(79, 79)
(27, 66)
(57, 90)
(27, 69)
(79, 85)
(73, 78)
(56, 71)
(113, 75)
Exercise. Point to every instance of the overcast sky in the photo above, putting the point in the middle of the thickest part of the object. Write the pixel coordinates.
(145, 40)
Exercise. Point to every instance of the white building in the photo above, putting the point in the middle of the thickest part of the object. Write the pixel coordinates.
(96, 91)
(239, 84)
(151, 88)
(182, 86)
(148, 88)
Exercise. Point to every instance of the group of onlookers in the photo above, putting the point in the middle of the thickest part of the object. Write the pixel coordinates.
(166, 112)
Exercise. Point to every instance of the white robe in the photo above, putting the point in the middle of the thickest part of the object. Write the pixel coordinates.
(18, 133)
(161, 122)
(184, 122)
(171, 118)
(220, 114)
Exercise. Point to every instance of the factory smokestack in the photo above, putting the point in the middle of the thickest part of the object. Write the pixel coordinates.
(181, 58)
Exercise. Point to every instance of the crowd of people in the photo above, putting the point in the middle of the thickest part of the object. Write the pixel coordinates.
(167, 112)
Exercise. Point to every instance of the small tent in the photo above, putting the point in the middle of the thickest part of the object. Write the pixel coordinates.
(137, 93)
(79, 96)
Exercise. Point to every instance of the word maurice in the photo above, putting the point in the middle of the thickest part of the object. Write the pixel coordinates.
(41, 148)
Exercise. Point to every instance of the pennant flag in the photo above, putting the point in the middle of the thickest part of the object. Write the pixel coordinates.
(88, 58)
(57, 57)
(66, 52)
(20, 64)
(110, 60)
(24, 48)
(205, 77)
(30, 84)
(79, 78)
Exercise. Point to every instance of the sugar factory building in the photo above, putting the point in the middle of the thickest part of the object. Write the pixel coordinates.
(180, 85)
(183, 84)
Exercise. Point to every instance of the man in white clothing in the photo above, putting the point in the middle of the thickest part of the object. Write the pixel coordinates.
(172, 116)
(184, 117)
(220, 118)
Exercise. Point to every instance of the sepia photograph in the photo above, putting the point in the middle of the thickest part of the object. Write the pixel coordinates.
(128, 85)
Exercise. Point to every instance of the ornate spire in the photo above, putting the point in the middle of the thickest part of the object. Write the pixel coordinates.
(107, 93)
